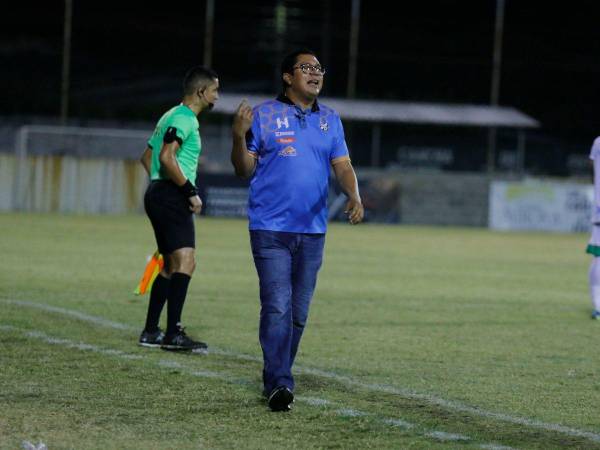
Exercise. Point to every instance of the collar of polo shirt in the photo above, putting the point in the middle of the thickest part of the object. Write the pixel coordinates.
(283, 99)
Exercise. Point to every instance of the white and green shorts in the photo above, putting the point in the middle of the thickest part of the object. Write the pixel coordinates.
(593, 247)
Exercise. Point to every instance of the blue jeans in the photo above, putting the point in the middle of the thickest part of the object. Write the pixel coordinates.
(287, 265)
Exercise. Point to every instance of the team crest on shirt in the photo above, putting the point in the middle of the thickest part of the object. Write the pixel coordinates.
(323, 124)
(288, 151)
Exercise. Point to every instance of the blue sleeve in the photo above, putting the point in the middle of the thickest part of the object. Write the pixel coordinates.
(253, 137)
(339, 147)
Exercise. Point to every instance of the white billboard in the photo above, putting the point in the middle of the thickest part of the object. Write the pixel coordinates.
(539, 205)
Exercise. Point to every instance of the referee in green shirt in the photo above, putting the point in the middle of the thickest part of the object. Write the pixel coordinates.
(171, 200)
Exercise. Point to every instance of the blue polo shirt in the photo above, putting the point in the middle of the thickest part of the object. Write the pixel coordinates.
(294, 150)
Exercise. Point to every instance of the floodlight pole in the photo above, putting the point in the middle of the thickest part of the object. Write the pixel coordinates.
(352, 60)
(280, 22)
(66, 63)
(495, 87)
(208, 32)
(325, 34)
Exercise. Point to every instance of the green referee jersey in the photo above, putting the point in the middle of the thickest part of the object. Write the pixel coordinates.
(185, 123)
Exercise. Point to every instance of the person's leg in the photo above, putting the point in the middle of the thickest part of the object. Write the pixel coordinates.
(273, 262)
(152, 335)
(158, 298)
(181, 265)
(593, 249)
(594, 279)
(153, 203)
(306, 264)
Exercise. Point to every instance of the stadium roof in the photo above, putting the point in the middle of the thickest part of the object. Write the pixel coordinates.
(405, 112)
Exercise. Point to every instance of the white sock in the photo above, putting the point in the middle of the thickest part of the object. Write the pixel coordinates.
(594, 277)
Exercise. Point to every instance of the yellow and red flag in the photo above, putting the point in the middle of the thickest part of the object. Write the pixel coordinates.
(153, 267)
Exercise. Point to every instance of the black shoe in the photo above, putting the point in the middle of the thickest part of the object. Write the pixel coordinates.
(151, 339)
(281, 399)
(180, 341)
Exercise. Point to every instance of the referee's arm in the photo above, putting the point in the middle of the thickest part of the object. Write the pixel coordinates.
(168, 162)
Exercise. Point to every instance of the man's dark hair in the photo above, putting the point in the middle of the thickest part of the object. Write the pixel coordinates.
(289, 61)
(196, 78)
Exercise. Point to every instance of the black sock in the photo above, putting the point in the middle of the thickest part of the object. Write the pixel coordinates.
(158, 297)
(177, 292)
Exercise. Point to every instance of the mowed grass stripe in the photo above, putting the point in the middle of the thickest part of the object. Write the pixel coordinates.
(431, 401)
(111, 401)
(227, 378)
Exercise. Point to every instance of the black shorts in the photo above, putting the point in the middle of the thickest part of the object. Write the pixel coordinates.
(170, 215)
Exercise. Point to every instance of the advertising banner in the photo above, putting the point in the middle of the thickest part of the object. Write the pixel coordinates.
(537, 205)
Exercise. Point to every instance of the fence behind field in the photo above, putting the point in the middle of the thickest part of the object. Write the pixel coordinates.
(97, 171)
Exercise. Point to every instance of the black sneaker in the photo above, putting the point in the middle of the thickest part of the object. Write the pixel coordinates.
(151, 339)
(281, 399)
(180, 341)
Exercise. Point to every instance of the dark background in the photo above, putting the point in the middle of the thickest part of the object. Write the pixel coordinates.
(128, 57)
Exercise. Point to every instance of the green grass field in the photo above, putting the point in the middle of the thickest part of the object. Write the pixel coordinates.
(418, 338)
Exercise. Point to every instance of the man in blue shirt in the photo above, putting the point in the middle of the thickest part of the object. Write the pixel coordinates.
(288, 146)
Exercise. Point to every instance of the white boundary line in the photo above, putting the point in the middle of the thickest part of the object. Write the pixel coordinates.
(402, 392)
(222, 376)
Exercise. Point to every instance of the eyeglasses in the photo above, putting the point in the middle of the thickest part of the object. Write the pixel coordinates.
(309, 68)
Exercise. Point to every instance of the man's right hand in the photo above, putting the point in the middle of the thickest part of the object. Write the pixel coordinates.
(195, 204)
(242, 119)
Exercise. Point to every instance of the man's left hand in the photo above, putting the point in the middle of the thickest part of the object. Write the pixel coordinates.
(355, 211)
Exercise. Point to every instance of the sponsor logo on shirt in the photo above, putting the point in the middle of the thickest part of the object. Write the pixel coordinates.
(323, 124)
(285, 140)
(282, 123)
(285, 133)
(288, 151)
